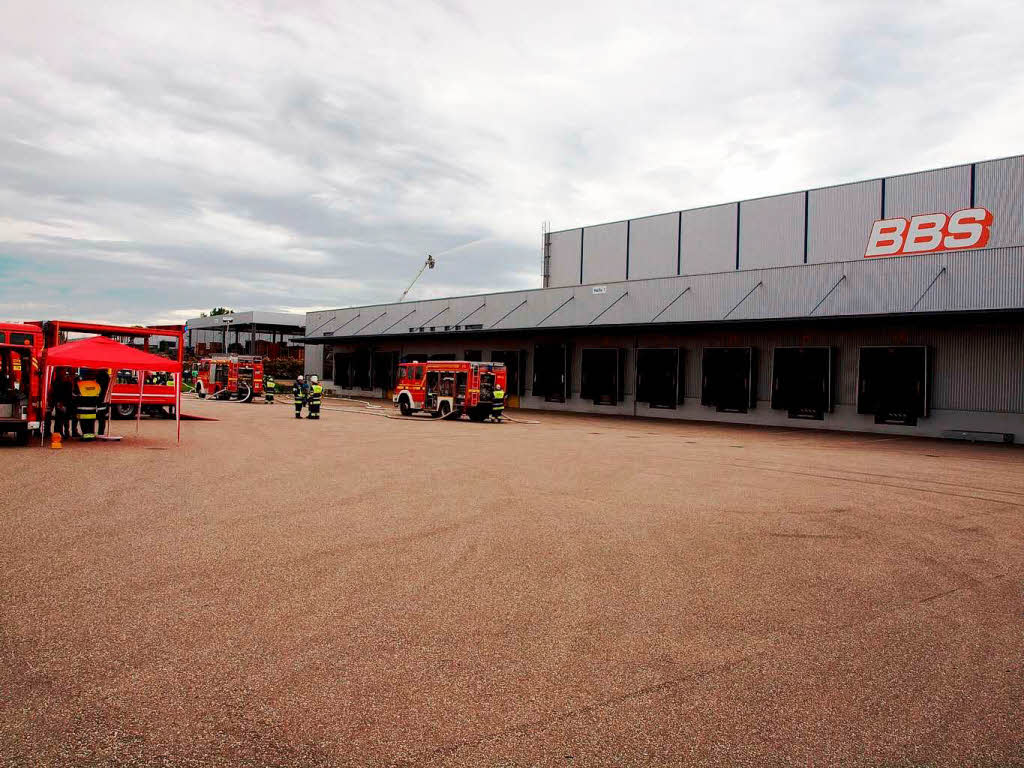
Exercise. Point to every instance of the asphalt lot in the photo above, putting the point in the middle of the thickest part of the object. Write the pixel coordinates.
(583, 591)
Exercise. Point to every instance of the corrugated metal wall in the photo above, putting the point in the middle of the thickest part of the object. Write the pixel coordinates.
(653, 246)
(772, 231)
(604, 252)
(709, 240)
(999, 186)
(839, 220)
(565, 258)
(945, 190)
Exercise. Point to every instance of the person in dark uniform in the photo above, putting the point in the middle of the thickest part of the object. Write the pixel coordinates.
(103, 408)
(299, 395)
(315, 394)
(86, 400)
(62, 395)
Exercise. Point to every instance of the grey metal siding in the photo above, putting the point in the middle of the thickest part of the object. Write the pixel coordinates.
(999, 186)
(942, 191)
(709, 239)
(653, 246)
(839, 220)
(772, 231)
(565, 258)
(604, 253)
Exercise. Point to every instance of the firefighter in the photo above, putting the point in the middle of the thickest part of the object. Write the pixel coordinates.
(86, 400)
(315, 394)
(269, 385)
(499, 403)
(103, 406)
(299, 395)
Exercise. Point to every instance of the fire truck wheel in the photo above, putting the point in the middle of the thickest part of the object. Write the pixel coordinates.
(404, 407)
(445, 409)
(124, 411)
(21, 437)
(477, 414)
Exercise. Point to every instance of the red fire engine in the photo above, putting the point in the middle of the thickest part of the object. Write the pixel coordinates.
(444, 388)
(157, 392)
(230, 377)
(21, 347)
(20, 383)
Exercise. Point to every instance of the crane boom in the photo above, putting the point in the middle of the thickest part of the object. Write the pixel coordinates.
(428, 264)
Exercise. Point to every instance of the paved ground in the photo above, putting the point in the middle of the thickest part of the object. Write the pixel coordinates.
(585, 591)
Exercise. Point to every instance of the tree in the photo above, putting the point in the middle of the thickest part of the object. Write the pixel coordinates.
(220, 311)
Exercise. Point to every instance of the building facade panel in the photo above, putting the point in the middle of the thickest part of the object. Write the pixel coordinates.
(839, 220)
(999, 187)
(604, 252)
(941, 191)
(772, 231)
(564, 252)
(709, 239)
(654, 246)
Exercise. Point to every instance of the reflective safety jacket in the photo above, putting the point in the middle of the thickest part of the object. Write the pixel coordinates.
(299, 392)
(269, 385)
(499, 400)
(315, 393)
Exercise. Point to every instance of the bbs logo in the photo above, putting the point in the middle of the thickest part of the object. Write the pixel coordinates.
(930, 232)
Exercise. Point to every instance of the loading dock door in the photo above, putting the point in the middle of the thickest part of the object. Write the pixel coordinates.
(601, 378)
(551, 367)
(802, 381)
(658, 375)
(515, 369)
(342, 370)
(893, 384)
(727, 379)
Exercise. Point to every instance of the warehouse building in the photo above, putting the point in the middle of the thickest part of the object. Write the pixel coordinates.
(269, 334)
(892, 305)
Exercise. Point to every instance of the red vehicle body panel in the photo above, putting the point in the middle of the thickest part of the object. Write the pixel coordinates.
(412, 380)
(23, 369)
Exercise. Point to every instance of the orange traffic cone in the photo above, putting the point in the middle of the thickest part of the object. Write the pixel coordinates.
(55, 441)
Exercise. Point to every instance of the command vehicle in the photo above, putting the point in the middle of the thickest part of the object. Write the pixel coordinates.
(230, 377)
(20, 381)
(157, 391)
(449, 388)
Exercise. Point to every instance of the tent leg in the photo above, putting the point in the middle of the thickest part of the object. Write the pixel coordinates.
(138, 411)
(177, 405)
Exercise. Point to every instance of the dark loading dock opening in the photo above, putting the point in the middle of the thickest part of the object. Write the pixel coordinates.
(658, 373)
(551, 366)
(893, 384)
(384, 365)
(727, 380)
(515, 369)
(602, 376)
(342, 370)
(802, 381)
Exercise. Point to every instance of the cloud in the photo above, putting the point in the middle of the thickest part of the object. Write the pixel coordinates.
(156, 158)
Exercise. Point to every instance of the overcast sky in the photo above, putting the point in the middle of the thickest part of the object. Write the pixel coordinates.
(158, 159)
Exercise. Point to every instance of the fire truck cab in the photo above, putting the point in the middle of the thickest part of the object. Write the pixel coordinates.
(20, 385)
(230, 377)
(450, 388)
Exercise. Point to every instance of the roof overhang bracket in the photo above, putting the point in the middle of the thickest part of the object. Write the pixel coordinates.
(517, 306)
(624, 295)
(666, 307)
(829, 293)
(745, 297)
(934, 280)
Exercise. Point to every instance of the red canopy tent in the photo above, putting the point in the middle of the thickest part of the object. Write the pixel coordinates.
(101, 352)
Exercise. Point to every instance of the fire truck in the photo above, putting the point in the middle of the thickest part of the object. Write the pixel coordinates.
(20, 382)
(21, 349)
(449, 388)
(230, 377)
(157, 392)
